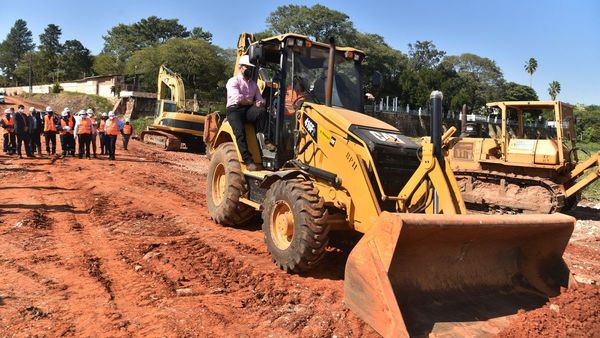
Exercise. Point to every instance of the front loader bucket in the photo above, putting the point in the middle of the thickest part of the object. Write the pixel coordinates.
(455, 275)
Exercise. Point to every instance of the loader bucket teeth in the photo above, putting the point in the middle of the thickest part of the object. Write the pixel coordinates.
(416, 274)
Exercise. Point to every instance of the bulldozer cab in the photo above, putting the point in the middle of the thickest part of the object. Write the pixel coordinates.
(292, 69)
(539, 133)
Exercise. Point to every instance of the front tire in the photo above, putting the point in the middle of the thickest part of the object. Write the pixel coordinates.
(225, 185)
(295, 225)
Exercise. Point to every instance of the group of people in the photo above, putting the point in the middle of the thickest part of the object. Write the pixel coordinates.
(22, 130)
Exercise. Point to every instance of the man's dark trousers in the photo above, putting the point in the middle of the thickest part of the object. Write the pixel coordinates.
(237, 116)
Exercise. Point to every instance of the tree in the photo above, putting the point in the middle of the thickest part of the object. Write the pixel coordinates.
(531, 67)
(76, 60)
(49, 40)
(107, 64)
(516, 92)
(122, 40)
(199, 33)
(200, 64)
(482, 79)
(50, 49)
(318, 22)
(424, 54)
(554, 89)
(18, 42)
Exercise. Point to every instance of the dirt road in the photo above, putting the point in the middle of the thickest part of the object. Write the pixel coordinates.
(126, 248)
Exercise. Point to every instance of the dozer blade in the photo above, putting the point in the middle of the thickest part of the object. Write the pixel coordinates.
(455, 275)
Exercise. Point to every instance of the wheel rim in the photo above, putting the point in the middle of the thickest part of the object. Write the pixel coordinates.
(282, 225)
(218, 183)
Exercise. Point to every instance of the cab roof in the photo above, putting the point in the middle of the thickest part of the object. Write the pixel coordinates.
(282, 37)
(528, 104)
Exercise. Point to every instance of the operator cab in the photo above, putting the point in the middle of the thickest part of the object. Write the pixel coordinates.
(292, 69)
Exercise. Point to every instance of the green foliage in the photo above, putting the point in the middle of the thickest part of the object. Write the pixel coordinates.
(588, 123)
(554, 89)
(107, 64)
(122, 40)
(530, 68)
(424, 55)
(199, 33)
(142, 123)
(18, 42)
(200, 64)
(317, 22)
(56, 88)
(517, 92)
(76, 60)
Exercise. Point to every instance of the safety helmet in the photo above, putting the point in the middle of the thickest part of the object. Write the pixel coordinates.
(127, 119)
(7, 111)
(31, 109)
(104, 114)
(67, 110)
(48, 108)
(64, 113)
(90, 112)
(111, 114)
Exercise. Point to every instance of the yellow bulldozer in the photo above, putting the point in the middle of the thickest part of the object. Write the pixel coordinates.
(177, 121)
(423, 266)
(522, 166)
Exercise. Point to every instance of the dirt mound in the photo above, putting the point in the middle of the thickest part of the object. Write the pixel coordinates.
(35, 219)
(574, 313)
(72, 100)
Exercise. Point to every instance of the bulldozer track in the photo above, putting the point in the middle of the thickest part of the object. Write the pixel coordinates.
(556, 202)
(168, 141)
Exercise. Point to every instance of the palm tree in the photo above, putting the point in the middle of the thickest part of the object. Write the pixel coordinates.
(531, 67)
(554, 89)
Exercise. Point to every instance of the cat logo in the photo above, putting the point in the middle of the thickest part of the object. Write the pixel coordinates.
(311, 127)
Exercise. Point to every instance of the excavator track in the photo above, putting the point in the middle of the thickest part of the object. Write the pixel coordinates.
(168, 141)
(506, 193)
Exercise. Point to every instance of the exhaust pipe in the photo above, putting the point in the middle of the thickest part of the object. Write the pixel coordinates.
(330, 72)
(436, 136)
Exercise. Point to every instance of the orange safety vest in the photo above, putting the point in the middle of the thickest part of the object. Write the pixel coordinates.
(291, 97)
(127, 129)
(9, 125)
(101, 127)
(64, 124)
(49, 124)
(85, 126)
(112, 128)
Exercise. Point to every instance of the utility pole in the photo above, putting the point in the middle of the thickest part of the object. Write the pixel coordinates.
(30, 76)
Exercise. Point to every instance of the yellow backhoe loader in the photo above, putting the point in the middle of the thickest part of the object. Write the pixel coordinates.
(422, 266)
(177, 120)
(523, 167)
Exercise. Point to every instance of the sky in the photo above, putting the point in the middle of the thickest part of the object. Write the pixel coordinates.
(564, 36)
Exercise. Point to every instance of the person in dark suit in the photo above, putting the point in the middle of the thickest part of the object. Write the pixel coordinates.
(36, 127)
(22, 131)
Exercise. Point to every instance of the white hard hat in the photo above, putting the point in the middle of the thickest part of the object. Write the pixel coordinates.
(127, 119)
(67, 110)
(6, 111)
(245, 60)
(31, 109)
(90, 111)
(104, 114)
(111, 114)
(48, 108)
(64, 113)
(81, 112)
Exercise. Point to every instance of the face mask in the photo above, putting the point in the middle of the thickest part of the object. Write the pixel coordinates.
(248, 72)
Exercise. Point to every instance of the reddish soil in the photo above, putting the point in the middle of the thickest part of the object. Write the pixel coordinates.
(126, 248)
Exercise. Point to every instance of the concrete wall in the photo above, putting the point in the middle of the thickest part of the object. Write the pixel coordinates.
(101, 86)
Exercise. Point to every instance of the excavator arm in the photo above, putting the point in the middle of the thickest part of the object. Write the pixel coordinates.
(171, 87)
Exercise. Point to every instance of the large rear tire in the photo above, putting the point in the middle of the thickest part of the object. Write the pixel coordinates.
(225, 185)
(295, 225)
